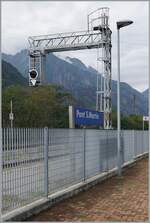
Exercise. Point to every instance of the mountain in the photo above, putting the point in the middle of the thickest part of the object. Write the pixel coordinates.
(132, 101)
(80, 80)
(11, 76)
(19, 60)
(76, 62)
(145, 93)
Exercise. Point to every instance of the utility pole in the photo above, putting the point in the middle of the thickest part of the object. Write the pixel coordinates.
(11, 115)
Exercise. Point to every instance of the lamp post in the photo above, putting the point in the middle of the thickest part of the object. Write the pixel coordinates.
(120, 24)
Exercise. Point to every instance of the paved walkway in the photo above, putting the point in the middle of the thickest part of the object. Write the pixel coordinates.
(117, 199)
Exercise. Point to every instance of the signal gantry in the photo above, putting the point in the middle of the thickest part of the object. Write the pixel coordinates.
(98, 36)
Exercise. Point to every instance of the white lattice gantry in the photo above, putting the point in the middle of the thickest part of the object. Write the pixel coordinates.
(98, 35)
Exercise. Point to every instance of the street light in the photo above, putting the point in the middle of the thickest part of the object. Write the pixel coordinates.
(120, 24)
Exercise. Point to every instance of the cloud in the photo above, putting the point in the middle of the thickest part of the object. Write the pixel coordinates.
(23, 19)
(134, 67)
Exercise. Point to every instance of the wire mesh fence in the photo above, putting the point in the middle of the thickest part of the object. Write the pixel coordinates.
(39, 162)
(23, 167)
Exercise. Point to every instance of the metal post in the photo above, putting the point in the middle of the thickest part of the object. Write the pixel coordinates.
(149, 111)
(143, 136)
(142, 141)
(88, 23)
(84, 156)
(46, 161)
(71, 117)
(43, 69)
(120, 24)
(100, 158)
(122, 147)
(118, 106)
(11, 119)
(133, 138)
(107, 151)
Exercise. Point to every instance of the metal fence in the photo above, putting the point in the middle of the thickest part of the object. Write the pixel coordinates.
(39, 162)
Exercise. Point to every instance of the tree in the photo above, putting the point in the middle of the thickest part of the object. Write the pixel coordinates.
(129, 122)
(36, 107)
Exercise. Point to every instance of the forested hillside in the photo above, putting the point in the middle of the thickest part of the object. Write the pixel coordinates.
(36, 107)
(11, 76)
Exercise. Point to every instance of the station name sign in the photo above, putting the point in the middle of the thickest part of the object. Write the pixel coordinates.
(88, 117)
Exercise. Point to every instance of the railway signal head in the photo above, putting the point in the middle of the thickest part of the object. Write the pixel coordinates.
(33, 74)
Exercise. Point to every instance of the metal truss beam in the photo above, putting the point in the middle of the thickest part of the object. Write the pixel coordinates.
(66, 42)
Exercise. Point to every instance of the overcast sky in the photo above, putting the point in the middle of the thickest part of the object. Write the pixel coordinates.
(23, 19)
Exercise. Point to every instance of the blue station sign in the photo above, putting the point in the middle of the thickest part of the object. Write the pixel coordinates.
(84, 116)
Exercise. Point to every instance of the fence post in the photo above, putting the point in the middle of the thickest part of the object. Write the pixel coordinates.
(107, 151)
(46, 161)
(133, 139)
(122, 147)
(143, 142)
(84, 155)
(100, 157)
